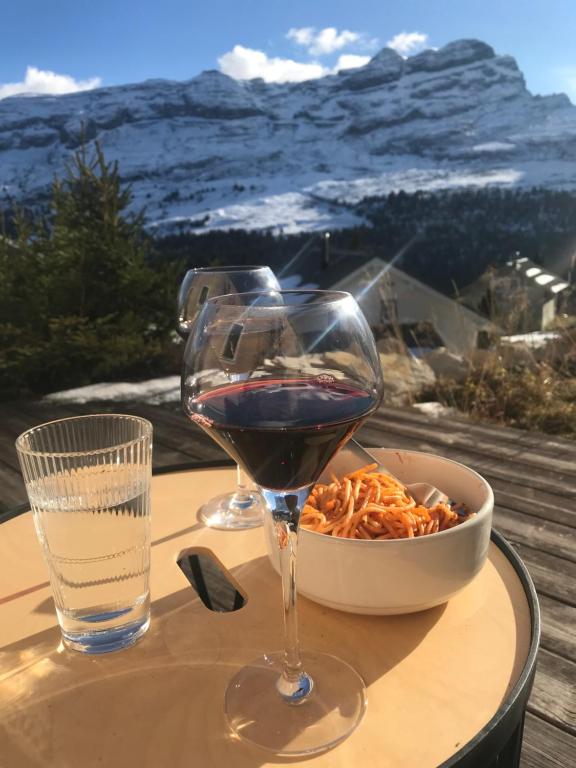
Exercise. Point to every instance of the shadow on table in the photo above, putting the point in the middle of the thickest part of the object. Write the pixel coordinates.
(160, 703)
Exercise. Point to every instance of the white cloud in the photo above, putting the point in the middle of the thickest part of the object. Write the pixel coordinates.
(350, 61)
(406, 43)
(327, 40)
(302, 36)
(246, 63)
(39, 81)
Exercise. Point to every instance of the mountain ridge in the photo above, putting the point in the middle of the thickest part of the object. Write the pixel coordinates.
(245, 153)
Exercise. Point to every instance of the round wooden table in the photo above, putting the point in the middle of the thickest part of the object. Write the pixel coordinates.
(446, 687)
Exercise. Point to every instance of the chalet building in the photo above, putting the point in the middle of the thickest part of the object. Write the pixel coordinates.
(520, 296)
(393, 300)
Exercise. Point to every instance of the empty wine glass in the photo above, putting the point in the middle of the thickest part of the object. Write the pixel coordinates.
(300, 377)
(244, 507)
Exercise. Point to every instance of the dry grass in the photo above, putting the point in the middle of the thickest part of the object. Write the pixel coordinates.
(507, 384)
(535, 391)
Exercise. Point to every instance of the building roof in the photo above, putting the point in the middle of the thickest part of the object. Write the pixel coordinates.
(537, 275)
(519, 273)
(331, 269)
(318, 263)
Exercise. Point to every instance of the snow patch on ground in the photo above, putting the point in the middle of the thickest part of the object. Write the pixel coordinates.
(413, 180)
(435, 409)
(154, 391)
(294, 282)
(494, 146)
(286, 213)
(533, 340)
(325, 204)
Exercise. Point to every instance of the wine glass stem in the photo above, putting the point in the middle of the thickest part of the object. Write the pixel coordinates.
(241, 480)
(242, 496)
(294, 684)
(288, 543)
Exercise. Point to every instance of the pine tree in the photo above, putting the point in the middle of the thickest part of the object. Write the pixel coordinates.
(79, 299)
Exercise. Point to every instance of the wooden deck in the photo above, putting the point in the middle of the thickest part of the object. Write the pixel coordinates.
(535, 487)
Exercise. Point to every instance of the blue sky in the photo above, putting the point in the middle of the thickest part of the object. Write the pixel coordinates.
(62, 46)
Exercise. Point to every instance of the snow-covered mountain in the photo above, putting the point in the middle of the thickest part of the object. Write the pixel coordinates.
(214, 152)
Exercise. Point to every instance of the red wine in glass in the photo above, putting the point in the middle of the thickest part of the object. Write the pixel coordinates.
(283, 431)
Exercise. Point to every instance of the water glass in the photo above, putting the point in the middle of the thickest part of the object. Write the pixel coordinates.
(88, 483)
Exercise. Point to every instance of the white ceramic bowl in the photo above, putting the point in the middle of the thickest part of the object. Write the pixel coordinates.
(397, 576)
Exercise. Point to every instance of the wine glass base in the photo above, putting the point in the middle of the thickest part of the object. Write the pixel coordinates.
(258, 714)
(233, 511)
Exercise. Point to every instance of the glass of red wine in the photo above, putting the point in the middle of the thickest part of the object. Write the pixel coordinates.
(243, 508)
(281, 380)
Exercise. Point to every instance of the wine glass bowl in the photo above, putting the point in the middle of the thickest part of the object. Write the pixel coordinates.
(281, 379)
(299, 381)
(244, 507)
(202, 283)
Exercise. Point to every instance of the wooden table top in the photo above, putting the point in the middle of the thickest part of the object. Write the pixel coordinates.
(434, 678)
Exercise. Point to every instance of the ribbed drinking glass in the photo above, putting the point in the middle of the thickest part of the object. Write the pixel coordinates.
(88, 482)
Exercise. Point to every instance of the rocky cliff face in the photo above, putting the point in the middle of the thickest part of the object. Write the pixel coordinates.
(229, 153)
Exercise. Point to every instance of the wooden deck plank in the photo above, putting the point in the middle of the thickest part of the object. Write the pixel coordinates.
(558, 624)
(546, 536)
(543, 444)
(554, 695)
(506, 443)
(171, 430)
(12, 492)
(167, 424)
(13, 422)
(549, 473)
(552, 576)
(485, 463)
(523, 498)
(511, 489)
(170, 447)
(546, 746)
(174, 430)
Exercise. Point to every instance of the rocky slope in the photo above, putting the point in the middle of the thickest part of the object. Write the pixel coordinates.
(219, 153)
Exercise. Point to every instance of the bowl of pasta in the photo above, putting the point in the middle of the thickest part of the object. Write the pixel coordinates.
(365, 546)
